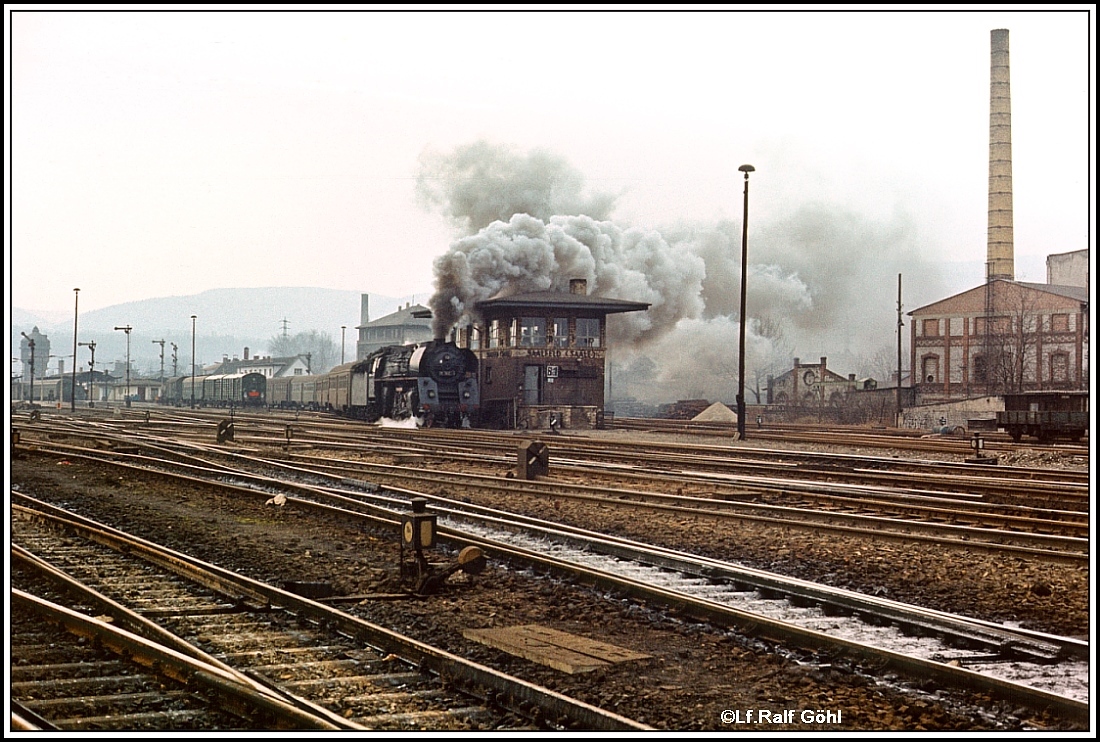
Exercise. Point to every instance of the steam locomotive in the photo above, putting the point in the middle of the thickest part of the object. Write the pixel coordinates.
(436, 382)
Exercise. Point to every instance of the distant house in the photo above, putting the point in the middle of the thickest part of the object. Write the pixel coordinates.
(816, 385)
(266, 365)
(409, 324)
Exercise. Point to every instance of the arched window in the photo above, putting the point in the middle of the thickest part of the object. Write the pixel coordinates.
(930, 369)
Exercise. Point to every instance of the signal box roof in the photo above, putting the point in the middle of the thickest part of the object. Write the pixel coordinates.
(559, 300)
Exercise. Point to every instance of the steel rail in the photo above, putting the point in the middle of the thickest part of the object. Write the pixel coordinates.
(512, 692)
(579, 492)
(245, 699)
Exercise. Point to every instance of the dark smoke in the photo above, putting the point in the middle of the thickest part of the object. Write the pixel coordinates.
(479, 184)
(526, 254)
(822, 279)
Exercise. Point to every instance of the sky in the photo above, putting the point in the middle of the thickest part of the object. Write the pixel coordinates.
(166, 153)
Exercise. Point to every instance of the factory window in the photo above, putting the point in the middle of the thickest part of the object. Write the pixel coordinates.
(1059, 366)
(930, 327)
(1059, 322)
(588, 332)
(930, 369)
(981, 369)
(561, 332)
(532, 332)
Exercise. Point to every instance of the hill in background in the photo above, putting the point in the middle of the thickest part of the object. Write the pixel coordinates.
(227, 321)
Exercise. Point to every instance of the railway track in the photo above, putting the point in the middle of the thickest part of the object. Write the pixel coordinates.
(1051, 491)
(323, 667)
(894, 438)
(987, 648)
(65, 677)
(1059, 536)
(325, 478)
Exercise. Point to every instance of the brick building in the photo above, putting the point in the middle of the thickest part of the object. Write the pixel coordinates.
(1002, 337)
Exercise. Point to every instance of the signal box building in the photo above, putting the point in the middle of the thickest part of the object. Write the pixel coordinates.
(542, 357)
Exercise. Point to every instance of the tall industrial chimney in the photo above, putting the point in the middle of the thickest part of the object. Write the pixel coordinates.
(999, 260)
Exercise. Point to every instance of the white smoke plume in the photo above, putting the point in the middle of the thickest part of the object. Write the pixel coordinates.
(822, 279)
(526, 254)
(481, 183)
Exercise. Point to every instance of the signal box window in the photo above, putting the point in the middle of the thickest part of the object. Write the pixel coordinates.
(561, 332)
(532, 332)
(588, 332)
(498, 334)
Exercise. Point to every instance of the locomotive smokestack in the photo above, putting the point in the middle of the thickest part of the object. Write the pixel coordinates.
(578, 286)
(999, 260)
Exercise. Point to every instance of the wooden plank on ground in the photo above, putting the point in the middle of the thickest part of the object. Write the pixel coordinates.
(553, 648)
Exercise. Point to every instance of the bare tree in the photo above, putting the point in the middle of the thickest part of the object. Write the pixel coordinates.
(880, 365)
(1010, 337)
(319, 346)
(776, 361)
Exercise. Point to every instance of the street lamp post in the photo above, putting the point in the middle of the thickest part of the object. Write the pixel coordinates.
(193, 361)
(91, 376)
(746, 169)
(76, 316)
(30, 344)
(127, 329)
(342, 328)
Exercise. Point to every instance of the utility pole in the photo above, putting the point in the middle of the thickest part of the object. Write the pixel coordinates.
(175, 360)
(897, 416)
(193, 316)
(76, 316)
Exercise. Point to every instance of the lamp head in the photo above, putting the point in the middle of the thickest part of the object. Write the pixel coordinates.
(747, 169)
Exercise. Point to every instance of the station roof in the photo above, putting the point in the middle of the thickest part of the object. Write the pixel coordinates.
(407, 315)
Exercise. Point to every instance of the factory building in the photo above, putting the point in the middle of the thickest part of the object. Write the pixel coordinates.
(814, 385)
(1004, 336)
